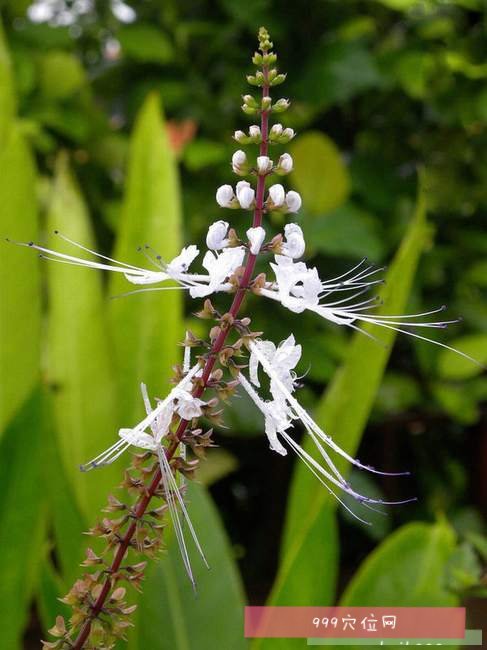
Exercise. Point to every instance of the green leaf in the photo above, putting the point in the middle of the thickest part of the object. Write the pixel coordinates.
(147, 327)
(417, 580)
(145, 43)
(319, 172)
(22, 517)
(452, 366)
(49, 589)
(170, 616)
(20, 309)
(464, 569)
(61, 75)
(65, 514)
(7, 93)
(337, 72)
(310, 533)
(348, 231)
(79, 359)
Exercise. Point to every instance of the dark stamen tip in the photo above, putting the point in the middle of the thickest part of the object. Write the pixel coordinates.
(139, 248)
(31, 243)
(56, 232)
(7, 239)
(159, 257)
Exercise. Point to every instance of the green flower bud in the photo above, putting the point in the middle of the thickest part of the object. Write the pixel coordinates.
(250, 101)
(252, 80)
(257, 58)
(248, 110)
(266, 103)
(280, 106)
(278, 79)
(269, 59)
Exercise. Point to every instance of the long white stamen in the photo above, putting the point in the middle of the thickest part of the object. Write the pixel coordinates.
(306, 419)
(95, 253)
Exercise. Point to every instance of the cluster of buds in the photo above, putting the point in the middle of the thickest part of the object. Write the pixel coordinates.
(277, 135)
(263, 166)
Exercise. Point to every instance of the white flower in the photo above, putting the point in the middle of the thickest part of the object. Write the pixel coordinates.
(293, 201)
(276, 196)
(245, 194)
(240, 136)
(254, 132)
(276, 131)
(225, 196)
(285, 164)
(298, 288)
(284, 408)
(256, 237)
(157, 420)
(294, 244)
(220, 267)
(264, 165)
(282, 359)
(182, 262)
(187, 406)
(239, 163)
(216, 237)
(288, 134)
(277, 419)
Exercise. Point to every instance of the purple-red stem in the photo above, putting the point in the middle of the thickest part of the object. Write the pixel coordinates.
(198, 391)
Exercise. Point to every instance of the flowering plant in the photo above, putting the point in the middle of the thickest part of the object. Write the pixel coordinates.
(234, 358)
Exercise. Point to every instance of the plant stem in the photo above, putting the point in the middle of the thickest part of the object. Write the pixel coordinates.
(217, 346)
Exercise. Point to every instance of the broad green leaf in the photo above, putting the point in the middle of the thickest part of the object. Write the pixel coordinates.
(7, 93)
(452, 366)
(147, 327)
(407, 570)
(319, 172)
(20, 310)
(22, 517)
(310, 532)
(348, 231)
(336, 72)
(79, 359)
(61, 74)
(50, 588)
(170, 616)
(145, 43)
(65, 515)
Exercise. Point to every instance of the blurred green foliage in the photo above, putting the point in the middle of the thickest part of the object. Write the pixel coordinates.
(379, 88)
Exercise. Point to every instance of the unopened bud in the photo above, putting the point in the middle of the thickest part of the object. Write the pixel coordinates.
(276, 196)
(275, 132)
(278, 79)
(240, 137)
(256, 237)
(285, 164)
(225, 197)
(255, 134)
(293, 201)
(264, 165)
(266, 103)
(245, 194)
(250, 101)
(280, 106)
(239, 163)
